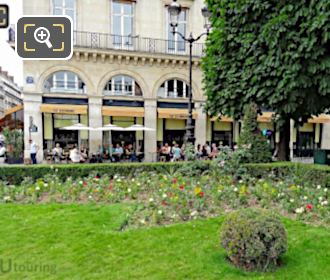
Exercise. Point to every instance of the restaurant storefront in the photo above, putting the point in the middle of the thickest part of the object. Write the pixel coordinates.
(57, 116)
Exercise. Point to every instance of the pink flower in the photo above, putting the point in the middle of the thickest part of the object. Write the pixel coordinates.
(201, 194)
(175, 180)
(309, 206)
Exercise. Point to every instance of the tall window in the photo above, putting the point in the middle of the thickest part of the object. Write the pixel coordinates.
(122, 85)
(175, 42)
(122, 23)
(64, 81)
(64, 7)
(173, 89)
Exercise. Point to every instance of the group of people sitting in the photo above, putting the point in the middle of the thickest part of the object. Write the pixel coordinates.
(109, 153)
(177, 153)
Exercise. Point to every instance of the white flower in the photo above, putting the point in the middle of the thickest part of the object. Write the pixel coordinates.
(90, 197)
(37, 189)
(160, 212)
(119, 180)
(46, 185)
(129, 190)
(219, 191)
(139, 184)
(235, 190)
(324, 203)
(318, 187)
(6, 198)
(194, 213)
(142, 221)
(240, 181)
(164, 195)
(133, 180)
(300, 210)
(305, 197)
(320, 198)
(291, 200)
(80, 182)
(151, 199)
(115, 177)
(149, 181)
(325, 189)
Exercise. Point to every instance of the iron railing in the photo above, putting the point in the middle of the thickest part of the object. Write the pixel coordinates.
(104, 41)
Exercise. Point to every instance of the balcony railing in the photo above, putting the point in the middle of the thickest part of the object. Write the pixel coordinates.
(104, 41)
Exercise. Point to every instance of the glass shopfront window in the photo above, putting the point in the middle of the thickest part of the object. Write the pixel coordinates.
(54, 134)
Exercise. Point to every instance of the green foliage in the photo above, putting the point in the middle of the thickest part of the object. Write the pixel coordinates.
(16, 174)
(273, 53)
(254, 239)
(14, 142)
(303, 173)
(251, 138)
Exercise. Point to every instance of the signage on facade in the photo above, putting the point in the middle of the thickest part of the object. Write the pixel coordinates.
(29, 80)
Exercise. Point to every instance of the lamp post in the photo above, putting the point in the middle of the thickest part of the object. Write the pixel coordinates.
(174, 10)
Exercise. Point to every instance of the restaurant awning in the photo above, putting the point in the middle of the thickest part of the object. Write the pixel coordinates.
(118, 111)
(222, 119)
(170, 113)
(64, 109)
(13, 110)
(322, 118)
(265, 117)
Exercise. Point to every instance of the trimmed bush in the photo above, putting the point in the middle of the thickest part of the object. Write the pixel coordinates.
(15, 174)
(303, 173)
(254, 239)
(251, 139)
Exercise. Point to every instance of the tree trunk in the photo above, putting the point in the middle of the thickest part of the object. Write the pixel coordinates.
(284, 145)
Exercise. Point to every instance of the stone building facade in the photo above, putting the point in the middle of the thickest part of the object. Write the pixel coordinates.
(127, 68)
(10, 93)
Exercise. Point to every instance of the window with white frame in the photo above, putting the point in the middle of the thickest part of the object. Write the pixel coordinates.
(64, 7)
(123, 86)
(64, 81)
(122, 15)
(175, 42)
(173, 89)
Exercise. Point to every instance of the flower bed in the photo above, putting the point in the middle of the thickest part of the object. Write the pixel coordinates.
(162, 199)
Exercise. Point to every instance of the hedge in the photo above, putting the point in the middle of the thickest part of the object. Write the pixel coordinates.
(303, 172)
(14, 174)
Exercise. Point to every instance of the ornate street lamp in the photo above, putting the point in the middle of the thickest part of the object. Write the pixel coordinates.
(174, 10)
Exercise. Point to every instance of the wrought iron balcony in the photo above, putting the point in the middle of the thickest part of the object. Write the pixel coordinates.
(104, 41)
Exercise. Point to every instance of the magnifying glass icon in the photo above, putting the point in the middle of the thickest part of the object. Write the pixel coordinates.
(42, 35)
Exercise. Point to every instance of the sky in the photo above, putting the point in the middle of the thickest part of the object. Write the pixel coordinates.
(9, 60)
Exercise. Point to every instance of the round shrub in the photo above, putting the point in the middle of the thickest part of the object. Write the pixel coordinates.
(254, 239)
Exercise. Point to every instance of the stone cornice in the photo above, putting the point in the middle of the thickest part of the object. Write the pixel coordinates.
(133, 58)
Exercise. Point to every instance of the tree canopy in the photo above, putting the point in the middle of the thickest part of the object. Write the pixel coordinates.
(275, 53)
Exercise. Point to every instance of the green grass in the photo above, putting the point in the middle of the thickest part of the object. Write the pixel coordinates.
(83, 242)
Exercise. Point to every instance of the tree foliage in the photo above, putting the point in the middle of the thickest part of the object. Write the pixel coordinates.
(274, 53)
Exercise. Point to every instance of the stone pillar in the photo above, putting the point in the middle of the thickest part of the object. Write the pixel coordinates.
(236, 131)
(292, 137)
(95, 120)
(200, 125)
(325, 142)
(32, 102)
(150, 137)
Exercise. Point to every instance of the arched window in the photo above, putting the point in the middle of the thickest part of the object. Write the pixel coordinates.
(123, 86)
(65, 81)
(173, 89)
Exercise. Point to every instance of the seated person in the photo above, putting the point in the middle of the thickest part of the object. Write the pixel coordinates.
(165, 152)
(2, 153)
(75, 155)
(129, 152)
(176, 151)
(93, 159)
(118, 152)
(57, 153)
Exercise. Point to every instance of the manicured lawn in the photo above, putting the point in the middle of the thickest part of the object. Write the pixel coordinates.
(83, 242)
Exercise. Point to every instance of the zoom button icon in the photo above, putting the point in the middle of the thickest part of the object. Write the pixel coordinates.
(44, 37)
